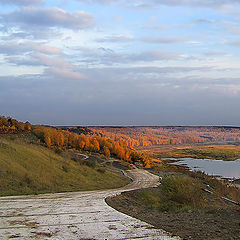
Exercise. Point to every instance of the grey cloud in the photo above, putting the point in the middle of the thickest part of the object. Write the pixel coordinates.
(144, 101)
(198, 3)
(65, 73)
(236, 29)
(51, 61)
(30, 53)
(154, 3)
(58, 67)
(16, 35)
(13, 48)
(202, 20)
(119, 38)
(51, 17)
(32, 33)
(215, 53)
(154, 27)
(153, 56)
(230, 26)
(26, 60)
(166, 40)
(157, 75)
(107, 56)
(21, 2)
(105, 2)
(235, 44)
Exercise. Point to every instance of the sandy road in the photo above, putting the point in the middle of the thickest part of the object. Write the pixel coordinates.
(70, 216)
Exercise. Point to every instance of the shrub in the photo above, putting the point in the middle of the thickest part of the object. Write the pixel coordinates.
(58, 151)
(101, 170)
(89, 163)
(180, 192)
(65, 167)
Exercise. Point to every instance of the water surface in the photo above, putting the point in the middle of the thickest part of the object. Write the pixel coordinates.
(224, 169)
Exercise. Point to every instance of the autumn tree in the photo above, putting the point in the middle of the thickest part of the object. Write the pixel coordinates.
(27, 126)
(106, 152)
(47, 139)
(96, 147)
(60, 139)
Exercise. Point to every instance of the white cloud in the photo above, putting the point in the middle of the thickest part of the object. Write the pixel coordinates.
(49, 17)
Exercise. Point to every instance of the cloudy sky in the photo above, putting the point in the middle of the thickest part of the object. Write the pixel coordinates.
(119, 62)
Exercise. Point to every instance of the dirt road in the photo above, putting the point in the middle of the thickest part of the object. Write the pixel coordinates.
(81, 215)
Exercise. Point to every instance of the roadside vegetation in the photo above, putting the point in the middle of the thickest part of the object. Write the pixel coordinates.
(183, 192)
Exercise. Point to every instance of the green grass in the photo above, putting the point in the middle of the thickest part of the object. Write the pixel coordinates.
(174, 194)
(32, 169)
(178, 193)
(222, 152)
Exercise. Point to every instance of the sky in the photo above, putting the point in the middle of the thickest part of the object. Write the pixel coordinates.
(119, 62)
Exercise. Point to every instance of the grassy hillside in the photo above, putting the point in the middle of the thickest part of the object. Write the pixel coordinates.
(27, 168)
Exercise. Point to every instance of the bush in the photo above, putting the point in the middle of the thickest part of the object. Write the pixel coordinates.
(58, 151)
(65, 167)
(180, 192)
(89, 163)
(101, 170)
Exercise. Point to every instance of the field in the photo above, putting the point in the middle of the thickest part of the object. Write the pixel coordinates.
(222, 152)
(30, 168)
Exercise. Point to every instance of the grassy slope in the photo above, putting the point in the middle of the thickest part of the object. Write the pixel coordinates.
(30, 168)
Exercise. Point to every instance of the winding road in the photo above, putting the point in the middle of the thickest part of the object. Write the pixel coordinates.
(76, 216)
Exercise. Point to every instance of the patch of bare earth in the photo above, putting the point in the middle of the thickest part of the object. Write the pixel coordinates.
(217, 224)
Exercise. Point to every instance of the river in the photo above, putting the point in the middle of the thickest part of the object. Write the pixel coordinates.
(223, 169)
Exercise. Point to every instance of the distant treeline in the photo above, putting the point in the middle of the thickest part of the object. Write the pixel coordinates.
(148, 136)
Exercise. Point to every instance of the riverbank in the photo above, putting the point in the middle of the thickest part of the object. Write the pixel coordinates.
(193, 214)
